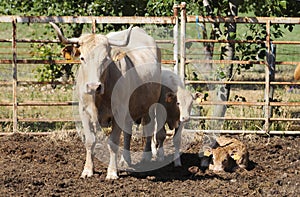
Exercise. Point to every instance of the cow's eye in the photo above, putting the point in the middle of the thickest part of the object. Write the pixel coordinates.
(178, 103)
(82, 58)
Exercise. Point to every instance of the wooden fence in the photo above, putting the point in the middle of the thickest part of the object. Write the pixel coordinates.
(179, 61)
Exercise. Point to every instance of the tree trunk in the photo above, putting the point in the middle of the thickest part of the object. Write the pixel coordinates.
(215, 34)
(227, 53)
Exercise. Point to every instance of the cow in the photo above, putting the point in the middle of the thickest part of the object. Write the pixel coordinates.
(226, 155)
(117, 84)
(176, 103)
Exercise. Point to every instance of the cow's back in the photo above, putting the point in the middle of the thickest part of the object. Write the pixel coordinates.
(141, 82)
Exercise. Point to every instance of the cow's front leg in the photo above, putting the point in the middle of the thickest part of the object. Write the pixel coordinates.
(177, 144)
(90, 142)
(113, 147)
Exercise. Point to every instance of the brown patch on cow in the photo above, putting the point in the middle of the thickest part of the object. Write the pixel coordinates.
(117, 55)
(297, 72)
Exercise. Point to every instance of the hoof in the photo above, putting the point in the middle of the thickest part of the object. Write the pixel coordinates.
(177, 160)
(124, 163)
(160, 158)
(177, 164)
(147, 156)
(86, 173)
(112, 176)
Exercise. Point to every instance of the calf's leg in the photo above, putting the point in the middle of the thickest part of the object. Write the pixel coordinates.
(160, 137)
(177, 144)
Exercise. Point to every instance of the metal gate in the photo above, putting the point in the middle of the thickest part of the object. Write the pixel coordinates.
(180, 62)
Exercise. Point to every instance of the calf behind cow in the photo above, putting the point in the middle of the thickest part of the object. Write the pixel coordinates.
(176, 104)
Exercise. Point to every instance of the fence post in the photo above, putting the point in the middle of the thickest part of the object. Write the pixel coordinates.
(182, 40)
(271, 58)
(267, 81)
(15, 76)
(175, 34)
(94, 26)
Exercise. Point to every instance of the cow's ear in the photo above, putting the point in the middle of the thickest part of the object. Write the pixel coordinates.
(200, 97)
(70, 52)
(170, 96)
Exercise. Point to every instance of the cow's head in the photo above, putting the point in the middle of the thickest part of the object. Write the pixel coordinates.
(184, 102)
(94, 53)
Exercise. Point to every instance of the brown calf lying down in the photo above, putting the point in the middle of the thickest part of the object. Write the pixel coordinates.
(227, 155)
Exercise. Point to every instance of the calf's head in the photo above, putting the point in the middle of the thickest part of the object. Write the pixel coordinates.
(184, 102)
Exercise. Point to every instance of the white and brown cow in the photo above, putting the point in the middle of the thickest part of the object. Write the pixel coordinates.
(115, 91)
(176, 103)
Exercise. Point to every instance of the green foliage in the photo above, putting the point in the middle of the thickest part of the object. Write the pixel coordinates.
(160, 8)
(50, 72)
(47, 72)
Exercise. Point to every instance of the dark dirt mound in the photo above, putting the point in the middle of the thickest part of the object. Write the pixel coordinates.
(43, 166)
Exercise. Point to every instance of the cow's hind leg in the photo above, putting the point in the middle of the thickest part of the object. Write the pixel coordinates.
(113, 147)
(126, 157)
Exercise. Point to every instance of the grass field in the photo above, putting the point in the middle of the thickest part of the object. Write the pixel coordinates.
(195, 51)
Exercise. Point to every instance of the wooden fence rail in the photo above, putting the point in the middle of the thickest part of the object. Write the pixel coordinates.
(179, 61)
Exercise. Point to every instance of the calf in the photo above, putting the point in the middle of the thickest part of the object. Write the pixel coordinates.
(174, 109)
(227, 155)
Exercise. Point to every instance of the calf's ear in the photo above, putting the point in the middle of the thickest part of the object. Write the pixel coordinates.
(70, 52)
(170, 96)
(200, 97)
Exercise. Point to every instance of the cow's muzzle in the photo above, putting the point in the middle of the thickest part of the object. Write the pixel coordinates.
(94, 87)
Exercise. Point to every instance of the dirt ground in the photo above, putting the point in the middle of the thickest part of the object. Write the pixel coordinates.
(47, 166)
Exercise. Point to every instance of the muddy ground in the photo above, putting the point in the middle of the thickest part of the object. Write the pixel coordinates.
(51, 166)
